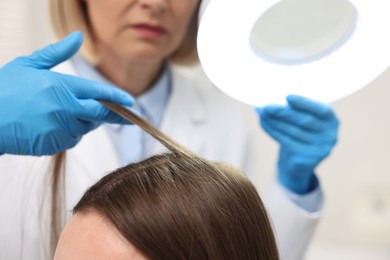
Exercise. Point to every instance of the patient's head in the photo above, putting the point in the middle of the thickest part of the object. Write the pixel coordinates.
(170, 206)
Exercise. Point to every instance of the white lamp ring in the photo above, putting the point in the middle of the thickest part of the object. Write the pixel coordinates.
(230, 60)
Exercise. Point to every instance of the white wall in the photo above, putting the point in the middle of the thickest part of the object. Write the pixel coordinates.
(23, 27)
(356, 178)
(13, 21)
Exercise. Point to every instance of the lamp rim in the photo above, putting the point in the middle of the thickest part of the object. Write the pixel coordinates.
(231, 64)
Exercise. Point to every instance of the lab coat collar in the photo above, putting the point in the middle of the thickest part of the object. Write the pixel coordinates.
(185, 118)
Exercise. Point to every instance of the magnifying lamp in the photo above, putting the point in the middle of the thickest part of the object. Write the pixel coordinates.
(260, 51)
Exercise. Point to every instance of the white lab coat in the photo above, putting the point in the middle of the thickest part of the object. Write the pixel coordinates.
(198, 116)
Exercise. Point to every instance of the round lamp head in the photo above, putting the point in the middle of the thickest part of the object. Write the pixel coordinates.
(261, 51)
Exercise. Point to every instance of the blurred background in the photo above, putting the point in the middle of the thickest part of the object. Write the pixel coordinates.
(356, 178)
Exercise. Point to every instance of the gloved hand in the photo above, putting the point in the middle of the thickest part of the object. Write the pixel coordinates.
(306, 131)
(43, 112)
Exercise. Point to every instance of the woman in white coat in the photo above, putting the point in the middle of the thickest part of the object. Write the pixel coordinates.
(130, 44)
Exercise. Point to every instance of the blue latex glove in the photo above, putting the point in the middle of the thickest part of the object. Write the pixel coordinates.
(44, 112)
(306, 131)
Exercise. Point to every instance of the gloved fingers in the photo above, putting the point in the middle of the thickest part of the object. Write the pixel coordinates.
(79, 127)
(92, 111)
(281, 138)
(67, 119)
(316, 108)
(290, 115)
(292, 130)
(317, 148)
(57, 145)
(53, 54)
(58, 142)
(297, 162)
(88, 89)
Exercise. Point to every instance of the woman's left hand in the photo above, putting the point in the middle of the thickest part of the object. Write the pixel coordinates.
(306, 131)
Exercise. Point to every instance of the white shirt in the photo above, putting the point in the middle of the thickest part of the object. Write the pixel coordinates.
(133, 144)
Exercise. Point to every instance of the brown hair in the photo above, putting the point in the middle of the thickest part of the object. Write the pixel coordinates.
(179, 205)
(70, 15)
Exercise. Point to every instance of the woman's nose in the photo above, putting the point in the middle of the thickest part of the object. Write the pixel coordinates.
(155, 6)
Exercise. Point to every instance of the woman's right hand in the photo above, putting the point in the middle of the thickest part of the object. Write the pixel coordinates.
(44, 112)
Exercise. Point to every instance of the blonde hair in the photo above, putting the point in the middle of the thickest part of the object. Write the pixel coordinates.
(71, 15)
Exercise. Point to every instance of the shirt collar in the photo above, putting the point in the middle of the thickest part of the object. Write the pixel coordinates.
(151, 104)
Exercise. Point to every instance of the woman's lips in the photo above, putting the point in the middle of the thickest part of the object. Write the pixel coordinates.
(149, 31)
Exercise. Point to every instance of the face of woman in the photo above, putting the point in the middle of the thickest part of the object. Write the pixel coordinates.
(140, 29)
(91, 236)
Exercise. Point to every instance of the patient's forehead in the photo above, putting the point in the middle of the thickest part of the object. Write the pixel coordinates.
(91, 236)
